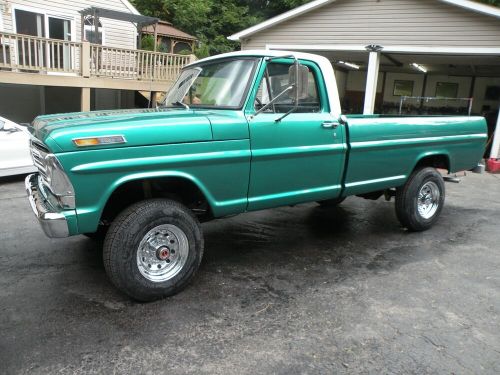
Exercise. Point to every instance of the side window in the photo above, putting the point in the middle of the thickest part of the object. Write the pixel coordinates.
(273, 83)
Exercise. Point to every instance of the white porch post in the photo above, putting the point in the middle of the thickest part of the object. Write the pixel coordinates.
(371, 82)
(85, 99)
(495, 147)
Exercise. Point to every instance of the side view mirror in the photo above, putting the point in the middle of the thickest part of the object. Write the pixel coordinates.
(297, 87)
(298, 76)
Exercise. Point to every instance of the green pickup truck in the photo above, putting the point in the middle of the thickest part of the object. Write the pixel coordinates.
(237, 132)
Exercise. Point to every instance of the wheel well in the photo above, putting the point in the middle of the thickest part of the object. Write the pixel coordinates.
(176, 188)
(436, 161)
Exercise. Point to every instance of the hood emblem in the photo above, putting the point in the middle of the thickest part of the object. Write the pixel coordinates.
(96, 141)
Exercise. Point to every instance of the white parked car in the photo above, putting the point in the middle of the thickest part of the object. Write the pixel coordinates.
(15, 155)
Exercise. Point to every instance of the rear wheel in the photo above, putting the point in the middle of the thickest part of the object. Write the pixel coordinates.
(420, 201)
(153, 249)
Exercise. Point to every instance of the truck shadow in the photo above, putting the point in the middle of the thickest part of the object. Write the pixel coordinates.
(348, 237)
(256, 267)
(279, 251)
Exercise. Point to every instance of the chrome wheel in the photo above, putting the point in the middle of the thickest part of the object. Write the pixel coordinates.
(162, 253)
(428, 200)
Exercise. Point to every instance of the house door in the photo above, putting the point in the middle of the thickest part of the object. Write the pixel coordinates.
(60, 54)
(30, 53)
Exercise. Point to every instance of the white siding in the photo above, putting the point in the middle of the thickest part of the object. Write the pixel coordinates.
(384, 22)
(117, 33)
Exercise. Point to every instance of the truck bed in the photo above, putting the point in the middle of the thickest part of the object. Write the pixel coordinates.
(383, 150)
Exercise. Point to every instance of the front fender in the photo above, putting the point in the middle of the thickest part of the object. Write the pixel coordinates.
(219, 169)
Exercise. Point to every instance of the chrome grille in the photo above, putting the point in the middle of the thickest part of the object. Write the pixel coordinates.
(38, 153)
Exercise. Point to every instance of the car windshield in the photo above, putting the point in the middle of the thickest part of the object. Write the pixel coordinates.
(220, 84)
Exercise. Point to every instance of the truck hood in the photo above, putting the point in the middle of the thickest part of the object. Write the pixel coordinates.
(139, 127)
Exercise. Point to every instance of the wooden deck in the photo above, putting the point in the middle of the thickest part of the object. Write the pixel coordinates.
(26, 59)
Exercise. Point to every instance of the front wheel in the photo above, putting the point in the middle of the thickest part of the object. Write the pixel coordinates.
(419, 202)
(153, 249)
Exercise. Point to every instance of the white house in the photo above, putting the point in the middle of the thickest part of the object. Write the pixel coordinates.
(62, 56)
(385, 49)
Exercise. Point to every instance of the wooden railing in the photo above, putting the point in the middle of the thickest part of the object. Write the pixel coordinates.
(135, 64)
(30, 53)
(25, 53)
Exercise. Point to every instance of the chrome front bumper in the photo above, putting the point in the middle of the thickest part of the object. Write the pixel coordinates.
(54, 224)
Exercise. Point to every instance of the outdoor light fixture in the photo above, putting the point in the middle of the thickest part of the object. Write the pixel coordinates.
(350, 65)
(374, 48)
(419, 67)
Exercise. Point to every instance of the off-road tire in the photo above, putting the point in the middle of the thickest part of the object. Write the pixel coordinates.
(126, 233)
(407, 198)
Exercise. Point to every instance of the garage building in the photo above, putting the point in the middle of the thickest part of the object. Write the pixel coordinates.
(392, 56)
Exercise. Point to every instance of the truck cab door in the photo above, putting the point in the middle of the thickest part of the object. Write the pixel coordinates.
(301, 157)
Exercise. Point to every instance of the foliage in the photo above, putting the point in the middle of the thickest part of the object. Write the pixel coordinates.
(212, 21)
(492, 2)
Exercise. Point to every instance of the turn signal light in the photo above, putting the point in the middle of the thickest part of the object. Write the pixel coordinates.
(95, 141)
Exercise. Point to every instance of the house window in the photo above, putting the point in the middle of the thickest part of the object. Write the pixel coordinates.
(446, 90)
(89, 30)
(403, 88)
(29, 23)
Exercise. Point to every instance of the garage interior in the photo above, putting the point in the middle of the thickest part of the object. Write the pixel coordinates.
(417, 83)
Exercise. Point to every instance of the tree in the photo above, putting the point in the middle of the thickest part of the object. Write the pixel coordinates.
(492, 2)
(212, 21)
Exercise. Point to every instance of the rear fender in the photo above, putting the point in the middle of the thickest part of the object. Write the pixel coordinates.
(434, 158)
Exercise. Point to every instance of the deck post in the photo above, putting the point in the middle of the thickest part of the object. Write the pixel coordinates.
(155, 36)
(371, 82)
(85, 99)
(85, 60)
(153, 99)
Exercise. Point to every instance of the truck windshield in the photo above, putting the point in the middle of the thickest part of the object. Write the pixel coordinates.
(221, 84)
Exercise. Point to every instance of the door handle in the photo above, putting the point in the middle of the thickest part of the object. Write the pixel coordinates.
(330, 125)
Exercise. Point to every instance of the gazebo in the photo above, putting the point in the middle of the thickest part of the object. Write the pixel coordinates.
(138, 20)
(173, 40)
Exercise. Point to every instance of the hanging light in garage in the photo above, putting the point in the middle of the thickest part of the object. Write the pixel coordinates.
(419, 67)
(350, 65)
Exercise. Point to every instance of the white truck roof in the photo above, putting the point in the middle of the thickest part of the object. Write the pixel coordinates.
(323, 63)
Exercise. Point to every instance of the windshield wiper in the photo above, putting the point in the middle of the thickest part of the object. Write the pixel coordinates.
(181, 104)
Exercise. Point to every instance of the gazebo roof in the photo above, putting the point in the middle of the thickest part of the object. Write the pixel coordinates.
(166, 28)
(138, 19)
